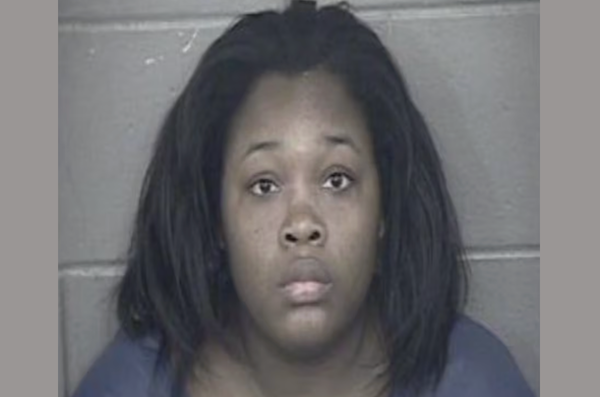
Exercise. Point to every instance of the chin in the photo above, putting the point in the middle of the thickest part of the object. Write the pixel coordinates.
(307, 334)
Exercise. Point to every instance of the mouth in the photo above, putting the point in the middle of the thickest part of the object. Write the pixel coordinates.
(306, 281)
(306, 292)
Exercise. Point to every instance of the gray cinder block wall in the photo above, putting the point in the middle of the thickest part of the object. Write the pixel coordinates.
(472, 66)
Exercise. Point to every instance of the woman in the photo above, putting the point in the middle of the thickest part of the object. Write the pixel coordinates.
(295, 236)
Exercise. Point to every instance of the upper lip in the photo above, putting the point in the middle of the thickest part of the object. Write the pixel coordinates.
(305, 269)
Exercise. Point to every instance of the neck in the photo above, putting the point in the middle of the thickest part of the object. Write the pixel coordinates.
(349, 367)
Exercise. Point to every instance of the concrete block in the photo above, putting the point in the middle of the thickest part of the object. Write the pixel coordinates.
(505, 297)
(90, 320)
(61, 349)
(89, 10)
(114, 90)
(475, 77)
(375, 4)
(144, 9)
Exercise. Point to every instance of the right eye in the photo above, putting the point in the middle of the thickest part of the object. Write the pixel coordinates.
(263, 187)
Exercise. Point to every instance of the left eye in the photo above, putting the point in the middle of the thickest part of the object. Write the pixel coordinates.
(338, 181)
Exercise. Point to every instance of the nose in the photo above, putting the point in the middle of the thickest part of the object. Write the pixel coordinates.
(302, 227)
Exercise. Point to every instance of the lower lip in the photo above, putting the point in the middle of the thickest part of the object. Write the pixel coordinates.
(305, 292)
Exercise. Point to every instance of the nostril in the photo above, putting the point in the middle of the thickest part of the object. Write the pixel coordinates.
(316, 235)
(291, 238)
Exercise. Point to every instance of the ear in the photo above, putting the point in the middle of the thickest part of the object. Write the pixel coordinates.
(381, 230)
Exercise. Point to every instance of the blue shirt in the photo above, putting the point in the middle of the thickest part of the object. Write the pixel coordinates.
(479, 365)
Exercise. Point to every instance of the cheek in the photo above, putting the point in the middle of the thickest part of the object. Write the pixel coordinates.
(251, 227)
(357, 245)
(354, 221)
(354, 234)
(250, 240)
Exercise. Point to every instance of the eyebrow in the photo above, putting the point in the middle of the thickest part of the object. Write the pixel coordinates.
(334, 140)
(264, 145)
(331, 140)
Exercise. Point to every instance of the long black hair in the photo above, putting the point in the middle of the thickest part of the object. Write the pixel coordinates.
(177, 285)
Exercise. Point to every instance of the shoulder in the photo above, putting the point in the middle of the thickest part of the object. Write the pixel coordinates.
(126, 368)
(479, 364)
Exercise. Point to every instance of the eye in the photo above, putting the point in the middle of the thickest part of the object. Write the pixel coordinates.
(338, 181)
(263, 187)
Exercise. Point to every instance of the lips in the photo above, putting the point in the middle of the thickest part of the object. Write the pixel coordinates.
(305, 281)
(306, 292)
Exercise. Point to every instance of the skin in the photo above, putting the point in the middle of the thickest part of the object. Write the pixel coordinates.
(300, 181)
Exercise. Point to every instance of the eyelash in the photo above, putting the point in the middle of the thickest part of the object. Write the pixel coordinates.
(349, 180)
(254, 187)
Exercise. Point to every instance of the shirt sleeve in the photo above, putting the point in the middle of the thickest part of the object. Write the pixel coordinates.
(126, 368)
(479, 364)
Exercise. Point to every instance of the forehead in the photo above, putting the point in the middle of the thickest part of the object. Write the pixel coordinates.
(296, 109)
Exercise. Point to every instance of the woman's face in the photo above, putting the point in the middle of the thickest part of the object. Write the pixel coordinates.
(301, 211)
